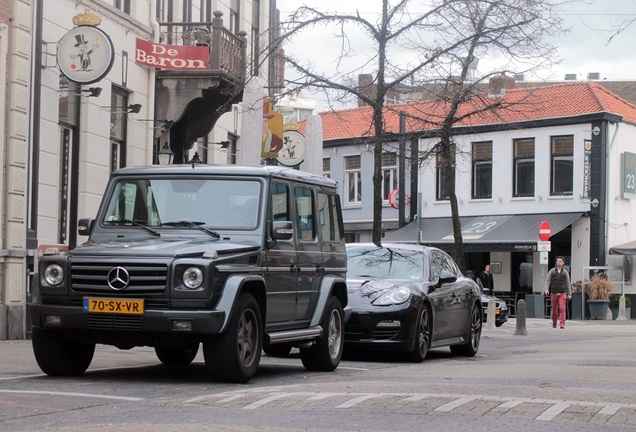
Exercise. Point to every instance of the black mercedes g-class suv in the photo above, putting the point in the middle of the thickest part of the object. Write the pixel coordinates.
(238, 259)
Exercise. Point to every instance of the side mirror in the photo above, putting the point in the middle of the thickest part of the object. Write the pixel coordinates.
(85, 226)
(282, 230)
(446, 277)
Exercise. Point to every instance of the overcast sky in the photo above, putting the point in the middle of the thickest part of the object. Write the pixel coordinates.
(586, 48)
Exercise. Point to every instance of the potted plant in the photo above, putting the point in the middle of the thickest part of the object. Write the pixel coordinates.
(614, 305)
(576, 311)
(598, 290)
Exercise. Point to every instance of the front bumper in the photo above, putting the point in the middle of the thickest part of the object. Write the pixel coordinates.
(152, 321)
(390, 329)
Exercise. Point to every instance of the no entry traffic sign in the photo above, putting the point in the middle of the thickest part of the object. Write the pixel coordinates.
(545, 231)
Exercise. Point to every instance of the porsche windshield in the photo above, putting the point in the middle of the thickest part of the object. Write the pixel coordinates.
(384, 263)
(179, 203)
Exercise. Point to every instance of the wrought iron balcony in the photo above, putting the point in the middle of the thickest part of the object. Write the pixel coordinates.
(227, 50)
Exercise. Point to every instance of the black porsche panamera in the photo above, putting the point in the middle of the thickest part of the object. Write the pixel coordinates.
(410, 298)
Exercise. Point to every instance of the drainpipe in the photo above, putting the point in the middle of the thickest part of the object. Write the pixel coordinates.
(608, 150)
(150, 135)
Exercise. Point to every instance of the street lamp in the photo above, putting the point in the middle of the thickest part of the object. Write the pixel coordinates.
(165, 154)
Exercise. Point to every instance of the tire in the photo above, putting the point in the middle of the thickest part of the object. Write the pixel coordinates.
(470, 348)
(325, 354)
(422, 336)
(177, 356)
(234, 356)
(57, 355)
(277, 350)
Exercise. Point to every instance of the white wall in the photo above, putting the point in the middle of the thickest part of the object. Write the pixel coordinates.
(502, 201)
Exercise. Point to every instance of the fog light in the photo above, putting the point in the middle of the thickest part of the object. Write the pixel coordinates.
(182, 325)
(52, 319)
(389, 323)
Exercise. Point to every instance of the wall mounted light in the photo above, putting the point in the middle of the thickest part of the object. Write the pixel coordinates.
(130, 109)
(133, 108)
(165, 154)
(92, 91)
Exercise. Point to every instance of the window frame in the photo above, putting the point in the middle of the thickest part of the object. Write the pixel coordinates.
(516, 169)
(560, 161)
(441, 188)
(481, 170)
(353, 177)
(389, 169)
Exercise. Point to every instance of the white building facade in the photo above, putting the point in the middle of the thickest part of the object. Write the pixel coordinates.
(570, 165)
(64, 138)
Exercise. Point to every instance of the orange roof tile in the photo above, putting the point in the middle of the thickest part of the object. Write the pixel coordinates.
(517, 105)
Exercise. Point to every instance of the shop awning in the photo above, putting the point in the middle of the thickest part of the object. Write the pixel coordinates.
(484, 233)
(628, 248)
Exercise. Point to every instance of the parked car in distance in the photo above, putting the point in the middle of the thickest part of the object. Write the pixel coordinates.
(501, 309)
(410, 298)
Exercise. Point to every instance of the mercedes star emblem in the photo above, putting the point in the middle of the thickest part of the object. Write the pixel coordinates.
(118, 278)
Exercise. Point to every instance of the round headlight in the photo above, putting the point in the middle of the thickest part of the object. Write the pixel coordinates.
(192, 277)
(53, 274)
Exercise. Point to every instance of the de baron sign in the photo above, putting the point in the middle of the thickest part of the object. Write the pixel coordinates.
(177, 57)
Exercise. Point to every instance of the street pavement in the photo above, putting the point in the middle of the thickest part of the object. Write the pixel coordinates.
(579, 379)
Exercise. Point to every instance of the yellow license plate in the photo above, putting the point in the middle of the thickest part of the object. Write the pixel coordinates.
(497, 311)
(114, 306)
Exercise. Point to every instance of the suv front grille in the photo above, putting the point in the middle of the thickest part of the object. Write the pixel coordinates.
(145, 278)
(113, 322)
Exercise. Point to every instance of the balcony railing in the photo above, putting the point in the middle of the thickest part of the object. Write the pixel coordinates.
(227, 50)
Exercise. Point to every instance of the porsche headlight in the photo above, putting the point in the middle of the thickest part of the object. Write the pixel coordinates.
(53, 274)
(192, 278)
(393, 297)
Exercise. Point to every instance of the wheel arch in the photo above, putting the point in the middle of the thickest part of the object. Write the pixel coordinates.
(330, 285)
(237, 285)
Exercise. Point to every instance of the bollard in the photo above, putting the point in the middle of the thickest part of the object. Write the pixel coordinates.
(492, 316)
(621, 309)
(520, 330)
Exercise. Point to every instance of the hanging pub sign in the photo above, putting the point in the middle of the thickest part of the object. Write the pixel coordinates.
(293, 151)
(176, 57)
(85, 54)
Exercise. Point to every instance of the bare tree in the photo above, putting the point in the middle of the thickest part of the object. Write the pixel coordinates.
(436, 42)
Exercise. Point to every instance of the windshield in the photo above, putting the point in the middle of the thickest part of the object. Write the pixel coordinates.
(385, 263)
(187, 202)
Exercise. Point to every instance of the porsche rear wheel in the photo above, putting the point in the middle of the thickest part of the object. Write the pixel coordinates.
(470, 348)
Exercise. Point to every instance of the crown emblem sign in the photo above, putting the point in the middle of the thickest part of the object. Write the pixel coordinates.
(87, 18)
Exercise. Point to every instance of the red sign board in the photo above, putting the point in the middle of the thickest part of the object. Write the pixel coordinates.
(545, 231)
(177, 57)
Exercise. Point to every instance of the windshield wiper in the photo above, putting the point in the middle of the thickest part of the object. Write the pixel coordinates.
(192, 224)
(135, 223)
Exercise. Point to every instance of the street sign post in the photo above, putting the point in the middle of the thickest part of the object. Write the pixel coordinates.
(544, 246)
(545, 231)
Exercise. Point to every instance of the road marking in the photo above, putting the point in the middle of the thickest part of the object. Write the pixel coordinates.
(456, 403)
(266, 400)
(259, 398)
(85, 395)
(359, 399)
(553, 411)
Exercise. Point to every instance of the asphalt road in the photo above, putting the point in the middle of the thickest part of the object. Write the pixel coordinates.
(582, 378)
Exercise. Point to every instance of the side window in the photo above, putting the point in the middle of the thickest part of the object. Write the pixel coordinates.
(305, 213)
(450, 265)
(278, 207)
(436, 264)
(329, 223)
